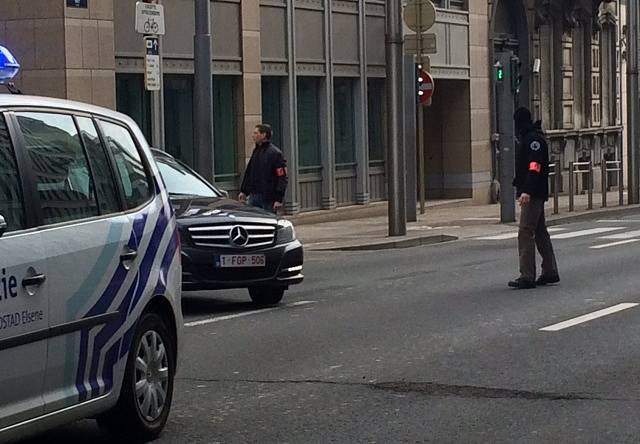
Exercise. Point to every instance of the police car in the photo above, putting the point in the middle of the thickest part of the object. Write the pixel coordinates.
(90, 274)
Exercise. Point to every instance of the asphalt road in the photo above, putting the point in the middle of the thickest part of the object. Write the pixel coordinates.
(419, 345)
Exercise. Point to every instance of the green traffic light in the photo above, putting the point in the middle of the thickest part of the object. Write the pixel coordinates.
(500, 73)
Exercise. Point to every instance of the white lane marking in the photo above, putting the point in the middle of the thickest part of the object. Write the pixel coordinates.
(241, 315)
(615, 221)
(582, 233)
(626, 235)
(589, 317)
(615, 244)
(514, 234)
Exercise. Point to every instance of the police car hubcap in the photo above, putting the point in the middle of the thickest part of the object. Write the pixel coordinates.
(152, 376)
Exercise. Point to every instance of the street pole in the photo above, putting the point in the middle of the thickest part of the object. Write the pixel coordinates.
(633, 104)
(395, 121)
(203, 91)
(157, 101)
(420, 117)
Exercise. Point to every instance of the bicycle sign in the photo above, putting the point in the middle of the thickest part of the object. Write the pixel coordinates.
(149, 18)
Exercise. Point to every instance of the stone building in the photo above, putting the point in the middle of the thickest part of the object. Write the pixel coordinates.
(577, 91)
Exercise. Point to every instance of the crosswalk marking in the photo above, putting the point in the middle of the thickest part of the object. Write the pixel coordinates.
(614, 244)
(589, 232)
(514, 234)
(626, 235)
(589, 317)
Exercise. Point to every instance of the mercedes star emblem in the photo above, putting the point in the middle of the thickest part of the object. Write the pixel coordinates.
(239, 237)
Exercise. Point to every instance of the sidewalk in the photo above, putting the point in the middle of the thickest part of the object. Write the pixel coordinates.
(443, 221)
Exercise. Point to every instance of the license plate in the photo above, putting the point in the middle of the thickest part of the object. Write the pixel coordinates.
(241, 261)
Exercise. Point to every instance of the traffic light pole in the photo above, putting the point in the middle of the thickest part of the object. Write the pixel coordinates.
(506, 130)
(395, 121)
(203, 99)
(633, 105)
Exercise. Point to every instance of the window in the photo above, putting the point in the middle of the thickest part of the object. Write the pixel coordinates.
(134, 101)
(102, 176)
(224, 127)
(60, 167)
(178, 117)
(131, 170)
(375, 103)
(308, 122)
(11, 203)
(343, 121)
(271, 107)
(181, 181)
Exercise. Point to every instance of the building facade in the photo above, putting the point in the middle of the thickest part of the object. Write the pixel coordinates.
(313, 69)
(577, 90)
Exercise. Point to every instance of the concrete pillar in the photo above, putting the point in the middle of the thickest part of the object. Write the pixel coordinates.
(327, 153)
(290, 116)
(64, 52)
(361, 113)
(480, 105)
(251, 106)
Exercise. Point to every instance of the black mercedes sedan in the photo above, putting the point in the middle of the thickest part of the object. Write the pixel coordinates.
(226, 244)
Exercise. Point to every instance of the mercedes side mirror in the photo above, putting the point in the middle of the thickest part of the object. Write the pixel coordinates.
(225, 194)
(3, 225)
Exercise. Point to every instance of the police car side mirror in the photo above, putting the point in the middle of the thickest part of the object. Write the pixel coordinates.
(3, 225)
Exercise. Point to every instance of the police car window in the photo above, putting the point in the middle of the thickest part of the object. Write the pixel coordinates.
(129, 164)
(11, 203)
(102, 176)
(60, 167)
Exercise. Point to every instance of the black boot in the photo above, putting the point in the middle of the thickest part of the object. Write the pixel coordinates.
(522, 284)
(545, 279)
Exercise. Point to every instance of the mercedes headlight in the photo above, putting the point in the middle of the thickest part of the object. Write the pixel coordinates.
(286, 233)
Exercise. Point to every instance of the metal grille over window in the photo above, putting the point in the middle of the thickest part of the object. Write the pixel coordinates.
(233, 236)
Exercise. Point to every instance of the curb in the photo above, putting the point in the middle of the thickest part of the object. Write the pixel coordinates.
(395, 244)
(559, 219)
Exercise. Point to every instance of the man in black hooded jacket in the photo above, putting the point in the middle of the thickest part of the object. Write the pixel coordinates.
(532, 185)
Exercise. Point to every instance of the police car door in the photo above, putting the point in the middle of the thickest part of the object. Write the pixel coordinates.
(84, 236)
(23, 293)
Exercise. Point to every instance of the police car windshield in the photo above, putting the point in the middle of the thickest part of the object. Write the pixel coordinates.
(181, 181)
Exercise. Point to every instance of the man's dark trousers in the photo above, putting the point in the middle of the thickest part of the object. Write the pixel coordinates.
(533, 233)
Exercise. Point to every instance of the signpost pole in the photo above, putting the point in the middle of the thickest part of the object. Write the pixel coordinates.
(157, 91)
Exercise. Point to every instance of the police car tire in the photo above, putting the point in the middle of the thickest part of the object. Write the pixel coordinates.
(266, 295)
(126, 420)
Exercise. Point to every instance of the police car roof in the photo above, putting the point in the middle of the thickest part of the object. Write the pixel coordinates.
(8, 101)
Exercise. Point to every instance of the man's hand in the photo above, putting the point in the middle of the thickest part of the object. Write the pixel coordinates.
(277, 206)
(524, 199)
(242, 198)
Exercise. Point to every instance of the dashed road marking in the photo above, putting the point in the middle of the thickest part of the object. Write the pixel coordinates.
(243, 314)
(589, 232)
(614, 244)
(589, 317)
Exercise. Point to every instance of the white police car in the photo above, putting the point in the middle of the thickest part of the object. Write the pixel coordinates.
(90, 274)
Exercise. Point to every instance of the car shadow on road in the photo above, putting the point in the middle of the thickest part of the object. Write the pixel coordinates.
(198, 304)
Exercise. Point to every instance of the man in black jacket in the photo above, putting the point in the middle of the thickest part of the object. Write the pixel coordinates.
(532, 185)
(265, 180)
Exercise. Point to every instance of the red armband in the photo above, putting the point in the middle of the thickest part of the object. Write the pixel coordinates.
(281, 172)
(535, 166)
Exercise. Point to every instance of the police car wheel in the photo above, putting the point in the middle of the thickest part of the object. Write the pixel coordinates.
(147, 390)
(266, 295)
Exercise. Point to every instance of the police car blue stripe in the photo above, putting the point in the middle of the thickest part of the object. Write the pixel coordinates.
(126, 306)
(104, 302)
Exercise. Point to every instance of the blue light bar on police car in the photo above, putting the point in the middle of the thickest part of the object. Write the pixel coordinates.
(9, 66)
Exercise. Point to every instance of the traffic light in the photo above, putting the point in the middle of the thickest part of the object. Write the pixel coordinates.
(516, 76)
(419, 81)
(499, 71)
